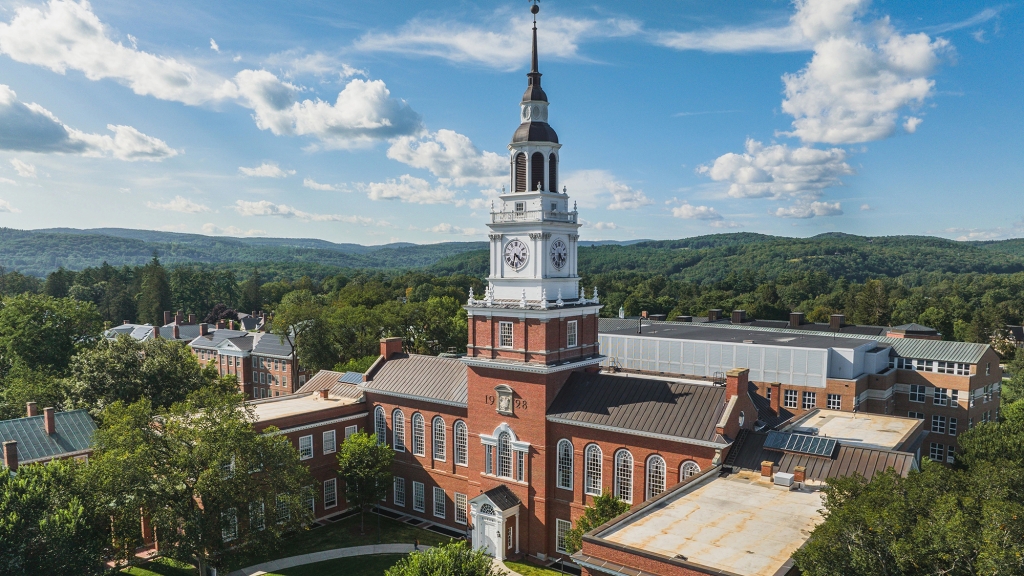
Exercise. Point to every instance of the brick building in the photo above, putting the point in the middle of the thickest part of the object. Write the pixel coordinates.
(39, 438)
(265, 365)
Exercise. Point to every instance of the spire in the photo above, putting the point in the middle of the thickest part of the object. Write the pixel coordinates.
(533, 89)
(534, 69)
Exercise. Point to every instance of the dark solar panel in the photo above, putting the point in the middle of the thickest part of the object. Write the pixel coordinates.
(801, 443)
(351, 378)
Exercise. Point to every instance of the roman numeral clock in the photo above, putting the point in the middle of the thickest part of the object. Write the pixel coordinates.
(516, 254)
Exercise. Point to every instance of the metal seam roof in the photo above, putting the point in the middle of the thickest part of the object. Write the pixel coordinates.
(74, 431)
(443, 379)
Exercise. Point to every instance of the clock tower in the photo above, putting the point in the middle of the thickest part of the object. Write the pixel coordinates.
(532, 327)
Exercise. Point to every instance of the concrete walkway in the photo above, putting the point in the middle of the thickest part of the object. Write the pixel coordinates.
(313, 557)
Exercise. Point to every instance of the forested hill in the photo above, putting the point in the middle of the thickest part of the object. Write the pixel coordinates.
(39, 252)
(709, 259)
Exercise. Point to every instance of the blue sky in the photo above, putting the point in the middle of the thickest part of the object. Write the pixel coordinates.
(389, 121)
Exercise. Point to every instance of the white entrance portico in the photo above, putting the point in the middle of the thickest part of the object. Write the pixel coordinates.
(490, 513)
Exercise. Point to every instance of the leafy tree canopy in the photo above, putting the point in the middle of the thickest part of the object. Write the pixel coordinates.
(365, 466)
(453, 559)
(605, 507)
(45, 332)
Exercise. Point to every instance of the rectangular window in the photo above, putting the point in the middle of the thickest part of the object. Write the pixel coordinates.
(520, 465)
(229, 525)
(461, 508)
(835, 402)
(952, 426)
(253, 361)
(916, 393)
(284, 512)
(570, 334)
(508, 538)
(350, 430)
(940, 397)
(790, 397)
(488, 459)
(505, 334)
(939, 424)
(810, 400)
(954, 397)
(330, 493)
(963, 369)
(949, 455)
(399, 496)
(918, 415)
(305, 447)
(768, 393)
(439, 502)
(418, 501)
(330, 445)
(310, 500)
(257, 516)
(937, 452)
(561, 528)
(520, 207)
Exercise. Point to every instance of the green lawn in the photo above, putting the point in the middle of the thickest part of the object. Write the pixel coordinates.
(342, 534)
(162, 567)
(355, 566)
(528, 569)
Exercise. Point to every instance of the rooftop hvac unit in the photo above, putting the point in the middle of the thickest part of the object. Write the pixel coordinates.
(783, 479)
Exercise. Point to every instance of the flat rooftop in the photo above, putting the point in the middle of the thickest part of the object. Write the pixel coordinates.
(295, 404)
(738, 335)
(859, 428)
(739, 524)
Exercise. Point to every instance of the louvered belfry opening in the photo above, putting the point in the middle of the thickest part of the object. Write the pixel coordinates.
(520, 165)
(552, 173)
(536, 171)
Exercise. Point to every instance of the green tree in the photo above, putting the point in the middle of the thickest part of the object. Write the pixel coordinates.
(45, 332)
(155, 295)
(365, 466)
(58, 283)
(251, 293)
(206, 477)
(605, 507)
(1013, 389)
(301, 321)
(49, 522)
(21, 385)
(452, 559)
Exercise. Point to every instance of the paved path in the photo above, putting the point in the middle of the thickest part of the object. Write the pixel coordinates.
(283, 563)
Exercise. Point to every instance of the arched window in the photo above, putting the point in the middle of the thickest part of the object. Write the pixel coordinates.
(655, 476)
(536, 171)
(505, 455)
(689, 469)
(520, 172)
(438, 438)
(487, 509)
(380, 425)
(624, 476)
(398, 430)
(417, 435)
(592, 473)
(565, 464)
(552, 173)
(461, 443)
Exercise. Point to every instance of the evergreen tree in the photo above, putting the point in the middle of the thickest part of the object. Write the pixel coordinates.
(251, 298)
(155, 297)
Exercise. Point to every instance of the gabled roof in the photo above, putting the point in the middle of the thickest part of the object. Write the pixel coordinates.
(214, 338)
(335, 385)
(270, 345)
(666, 408)
(502, 497)
(422, 377)
(74, 431)
(913, 328)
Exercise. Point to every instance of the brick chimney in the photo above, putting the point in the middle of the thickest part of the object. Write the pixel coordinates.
(799, 474)
(203, 329)
(11, 455)
(231, 324)
(31, 409)
(221, 324)
(156, 332)
(167, 316)
(390, 346)
(191, 319)
(179, 318)
(796, 319)
(714, 314)
(126, 322)
(176, 332)
(739, 316)
(736, 382)
(776, 392)
(324, 394)
(49, 423)
(766, 468)
(836, 321)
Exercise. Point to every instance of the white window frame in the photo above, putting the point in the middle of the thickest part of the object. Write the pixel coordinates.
(398, 430)
(835, 401)
(380, 425)
(952, 426)
(257, 516)
(460, 433)
(350, 430)
(938, 424)
(571, 334)
(283, 509)
(561, 528)
(564, 476)
(438, 442)
(790, 399)
(508, 538)
(593, 458)
(688, 469)
(488, 459)
(624, 475)
(520, 465)
(505, 461)
(936, 448)
(440, 502)
(917, 392)
(655, 469)
(809, 400)
(461, 508)
(330, 442)
(330, 493)
(229, 525)
(940, 397)
(918, 415)
(418, 441)
(398, 496)
(505, 335)
(305, 452)
(419, 498)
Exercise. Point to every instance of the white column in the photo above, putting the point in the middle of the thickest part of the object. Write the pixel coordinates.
(517, 532)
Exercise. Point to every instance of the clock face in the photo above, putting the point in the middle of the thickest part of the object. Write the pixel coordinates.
(516, 254)
(559, 254)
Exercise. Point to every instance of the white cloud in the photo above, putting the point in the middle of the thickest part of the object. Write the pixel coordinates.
(32, 128)
(214, 230)
(747, 39)
(490, 196)
(866, 207)
(979, 18)
(911, 124)
(24, 169)
(213, 45)
(267, 208)
(810, 210)
(408, 189)
(593, 188)
(8, 181)
(605, 226)
(349, 71)
(724, 224)
(266, 170)
(777, 171)
(5, 206)
(687, 211)
(314, 185)
(446, 228)
(180, 204)
(451, 157)
(505, 44)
